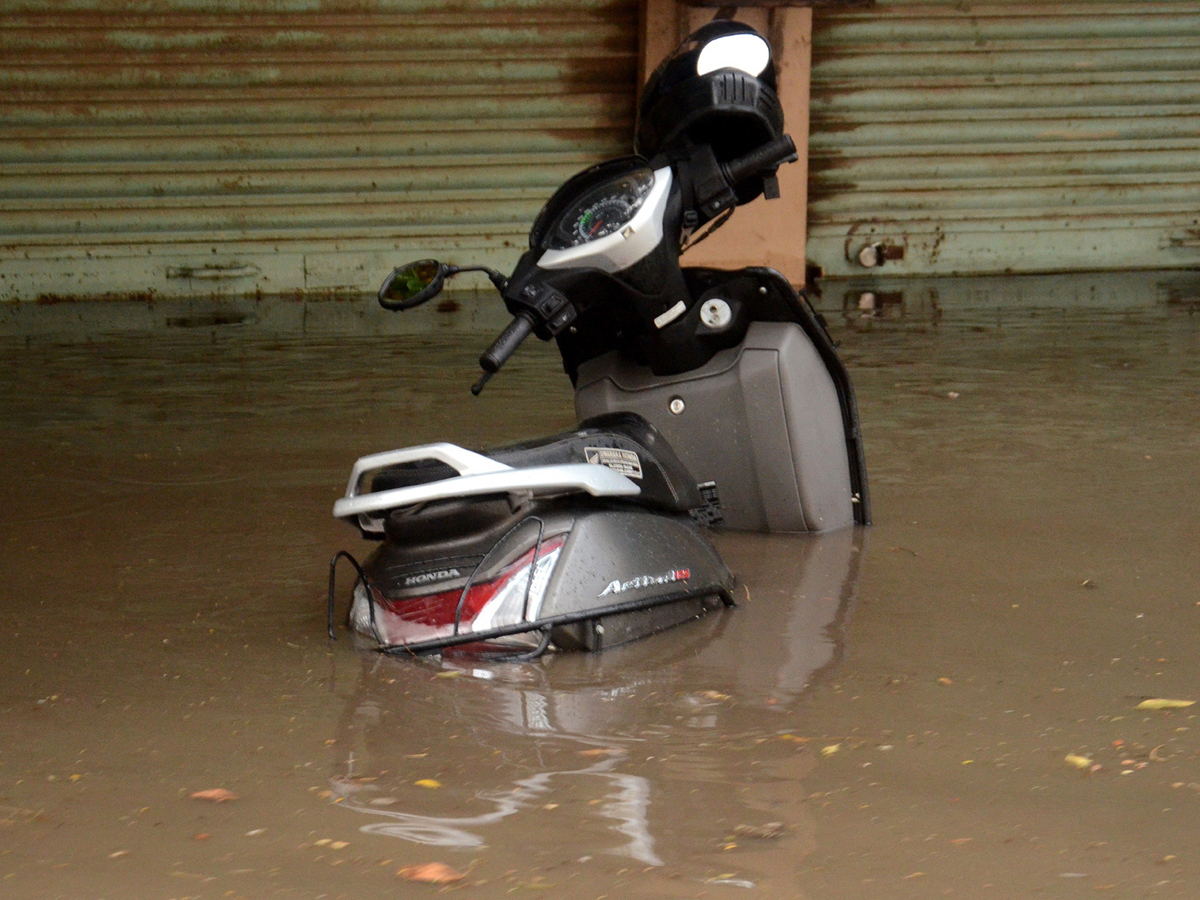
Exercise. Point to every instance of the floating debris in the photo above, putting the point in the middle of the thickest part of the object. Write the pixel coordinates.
(431, 873)
(214, 795)
(768, 831)
(1162, 703)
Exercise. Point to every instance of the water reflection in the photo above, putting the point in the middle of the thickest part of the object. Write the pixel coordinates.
(653, 751)
(626, 803)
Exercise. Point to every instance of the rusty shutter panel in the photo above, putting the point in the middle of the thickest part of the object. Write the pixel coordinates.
(1004, 136)
(169, 147)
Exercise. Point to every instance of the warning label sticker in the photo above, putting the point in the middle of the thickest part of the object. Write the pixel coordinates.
(625, 462)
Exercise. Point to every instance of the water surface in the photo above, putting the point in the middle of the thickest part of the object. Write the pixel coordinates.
(889, 715)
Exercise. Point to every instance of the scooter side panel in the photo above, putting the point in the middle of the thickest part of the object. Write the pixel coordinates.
(762, 421)
(618, 556)
(819, 465)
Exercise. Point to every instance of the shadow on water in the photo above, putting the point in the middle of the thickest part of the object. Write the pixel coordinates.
(661, 751)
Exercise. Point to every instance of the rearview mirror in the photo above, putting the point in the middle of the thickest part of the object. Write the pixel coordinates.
(412, 284)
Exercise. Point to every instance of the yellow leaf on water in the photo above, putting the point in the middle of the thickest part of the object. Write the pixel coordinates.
(1079, 762)
(830, 750)
(428, 783)
(1160, 703)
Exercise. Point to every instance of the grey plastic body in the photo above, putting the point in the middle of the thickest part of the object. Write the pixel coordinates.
(760, 421)
(623, 573)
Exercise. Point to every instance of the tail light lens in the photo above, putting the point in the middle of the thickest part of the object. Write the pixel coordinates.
(508, 599)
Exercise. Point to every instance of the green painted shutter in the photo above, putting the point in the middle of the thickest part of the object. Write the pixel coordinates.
(1005, 136)
(192, 147)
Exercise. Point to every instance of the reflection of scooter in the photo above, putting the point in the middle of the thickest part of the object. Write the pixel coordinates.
(587, 539)
(575, 732)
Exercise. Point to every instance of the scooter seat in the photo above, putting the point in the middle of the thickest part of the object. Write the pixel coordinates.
(622, 441)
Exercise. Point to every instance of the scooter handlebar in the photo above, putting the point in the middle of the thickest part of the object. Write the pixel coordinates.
(767, 157)
(506, 344)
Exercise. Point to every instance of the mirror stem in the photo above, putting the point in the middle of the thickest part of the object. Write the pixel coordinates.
(496, 278)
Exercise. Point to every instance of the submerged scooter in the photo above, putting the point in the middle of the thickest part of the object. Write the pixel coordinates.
(706, 398)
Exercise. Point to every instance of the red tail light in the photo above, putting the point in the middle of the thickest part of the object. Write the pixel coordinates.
(508, 599)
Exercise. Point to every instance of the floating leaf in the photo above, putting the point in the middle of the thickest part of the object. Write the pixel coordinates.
(1079, 762)
(714, 695)
(831, 749)
(214, 795)
(1160, 703)
(431, 873)
(428, 783)
(602, 751)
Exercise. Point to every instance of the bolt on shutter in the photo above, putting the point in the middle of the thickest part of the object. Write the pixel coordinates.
(171, 147)
(1006, 136)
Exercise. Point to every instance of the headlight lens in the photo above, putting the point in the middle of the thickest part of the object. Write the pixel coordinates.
(747, 53)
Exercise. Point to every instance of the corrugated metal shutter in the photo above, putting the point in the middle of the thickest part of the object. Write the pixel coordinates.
(181, 147)
(1006, 136)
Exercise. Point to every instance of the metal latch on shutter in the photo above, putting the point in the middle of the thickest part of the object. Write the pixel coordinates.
(876, 253)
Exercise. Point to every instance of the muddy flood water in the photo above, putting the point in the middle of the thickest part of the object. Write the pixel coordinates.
(943, 704)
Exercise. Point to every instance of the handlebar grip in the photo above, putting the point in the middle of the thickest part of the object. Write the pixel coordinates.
(506, 344)
(765, 158)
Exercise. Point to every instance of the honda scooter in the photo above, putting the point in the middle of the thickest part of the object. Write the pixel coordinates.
(707, 398)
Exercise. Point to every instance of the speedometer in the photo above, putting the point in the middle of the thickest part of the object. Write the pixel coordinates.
(603, 217)
(602, 210)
